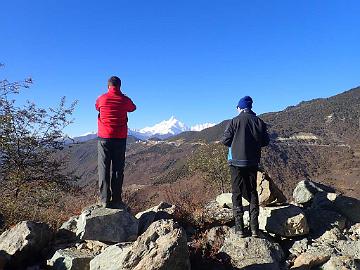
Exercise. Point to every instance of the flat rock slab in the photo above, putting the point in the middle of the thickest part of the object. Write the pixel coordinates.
(254, 253)
(107, 225)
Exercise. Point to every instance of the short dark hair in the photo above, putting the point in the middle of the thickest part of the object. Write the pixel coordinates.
(114, 81)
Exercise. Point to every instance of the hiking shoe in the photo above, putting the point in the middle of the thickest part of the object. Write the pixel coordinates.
(117, 205)
(255, 233)
(105, 205)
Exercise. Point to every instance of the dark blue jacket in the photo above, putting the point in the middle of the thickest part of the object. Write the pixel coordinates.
(245, 135)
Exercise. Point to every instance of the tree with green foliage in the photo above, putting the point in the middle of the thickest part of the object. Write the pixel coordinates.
(211, 161)
(29, 137)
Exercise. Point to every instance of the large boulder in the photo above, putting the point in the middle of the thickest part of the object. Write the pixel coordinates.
(25, 242)
(162, 246)
(254, 253)
(286, 221)
(107, 225)
(162, 211)
(71, 259)
(269, 193)
(305, 191)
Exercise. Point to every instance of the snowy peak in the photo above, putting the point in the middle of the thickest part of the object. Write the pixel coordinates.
(167, 127)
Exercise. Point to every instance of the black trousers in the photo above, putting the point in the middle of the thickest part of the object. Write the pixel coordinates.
(111, 162)
(243, 181)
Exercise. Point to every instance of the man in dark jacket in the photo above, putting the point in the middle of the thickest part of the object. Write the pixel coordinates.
(112, 133)
(245, 135)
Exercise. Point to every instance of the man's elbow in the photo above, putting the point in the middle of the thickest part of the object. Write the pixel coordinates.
(226, 142)
(133, 108)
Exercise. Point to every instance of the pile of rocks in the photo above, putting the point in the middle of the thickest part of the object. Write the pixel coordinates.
(319, 229)
(101, 238)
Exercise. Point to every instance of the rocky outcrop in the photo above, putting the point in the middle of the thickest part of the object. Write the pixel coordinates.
(25, 242)
(162, 211)
(318, 234)
(286, 221)
(107, 225)
(255, 253)
(162, 246)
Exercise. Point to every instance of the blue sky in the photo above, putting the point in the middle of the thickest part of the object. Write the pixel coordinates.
(191, 59)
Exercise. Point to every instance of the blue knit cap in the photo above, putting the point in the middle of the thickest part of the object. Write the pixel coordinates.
(245, 103)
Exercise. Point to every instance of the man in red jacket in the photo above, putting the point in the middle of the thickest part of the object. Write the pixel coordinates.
(112, 133)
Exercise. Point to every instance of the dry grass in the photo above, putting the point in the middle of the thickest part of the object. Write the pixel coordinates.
(41, 202)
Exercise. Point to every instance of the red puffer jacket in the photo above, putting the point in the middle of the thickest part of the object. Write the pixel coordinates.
(113, 108)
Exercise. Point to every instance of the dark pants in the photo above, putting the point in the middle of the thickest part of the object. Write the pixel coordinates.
(243, 181)
(111, 159)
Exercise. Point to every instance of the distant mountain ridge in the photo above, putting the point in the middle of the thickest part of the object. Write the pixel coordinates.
(163, 130)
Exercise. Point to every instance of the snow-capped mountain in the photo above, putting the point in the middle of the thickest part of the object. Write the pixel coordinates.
(162, 130)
